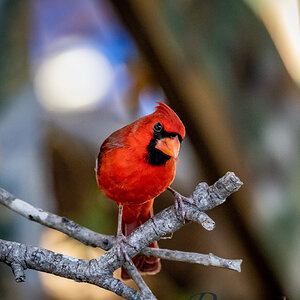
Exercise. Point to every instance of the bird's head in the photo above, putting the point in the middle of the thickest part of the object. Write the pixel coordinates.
(165, 132)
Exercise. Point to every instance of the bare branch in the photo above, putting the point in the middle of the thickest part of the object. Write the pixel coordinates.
(65, 266)
(100, 271)
(18, 271)
(197, 258)
(62, 224)
(138, 279)
(170, 220)
(208, 197)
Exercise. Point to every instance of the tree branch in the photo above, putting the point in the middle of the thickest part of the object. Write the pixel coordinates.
(138, 279)
(80, 270)
(197, 258)
(62, 224)
(100, 271)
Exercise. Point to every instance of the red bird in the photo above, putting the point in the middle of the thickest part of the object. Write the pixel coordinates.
(135, 164)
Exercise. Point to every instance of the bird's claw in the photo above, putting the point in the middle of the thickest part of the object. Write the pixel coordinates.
(179, 205)
(120, 243)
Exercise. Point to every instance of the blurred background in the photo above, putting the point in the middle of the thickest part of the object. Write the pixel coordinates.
(72, 72)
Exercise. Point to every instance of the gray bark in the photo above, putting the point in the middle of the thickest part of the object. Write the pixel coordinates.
(99, 271)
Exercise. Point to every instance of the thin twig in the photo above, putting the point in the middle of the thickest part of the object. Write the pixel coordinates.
(138, 279)
(62, 224)
(197, 258)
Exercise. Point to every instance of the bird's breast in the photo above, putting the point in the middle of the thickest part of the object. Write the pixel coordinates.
(126, 177)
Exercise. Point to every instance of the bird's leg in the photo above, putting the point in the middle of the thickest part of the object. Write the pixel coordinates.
(121, 239)
(179, 199)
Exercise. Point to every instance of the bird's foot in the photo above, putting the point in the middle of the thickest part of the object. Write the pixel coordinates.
(120, 243)
(179, 202)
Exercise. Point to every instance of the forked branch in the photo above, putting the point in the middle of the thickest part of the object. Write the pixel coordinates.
(99, 271)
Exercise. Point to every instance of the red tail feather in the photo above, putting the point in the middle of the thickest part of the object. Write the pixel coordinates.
(146, 265)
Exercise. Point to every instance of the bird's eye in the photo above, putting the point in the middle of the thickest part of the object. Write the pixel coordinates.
(157, 127)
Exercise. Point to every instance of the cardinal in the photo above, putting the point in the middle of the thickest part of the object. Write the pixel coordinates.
(136, 164)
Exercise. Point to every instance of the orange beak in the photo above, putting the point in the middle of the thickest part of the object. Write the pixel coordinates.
(169, 146)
